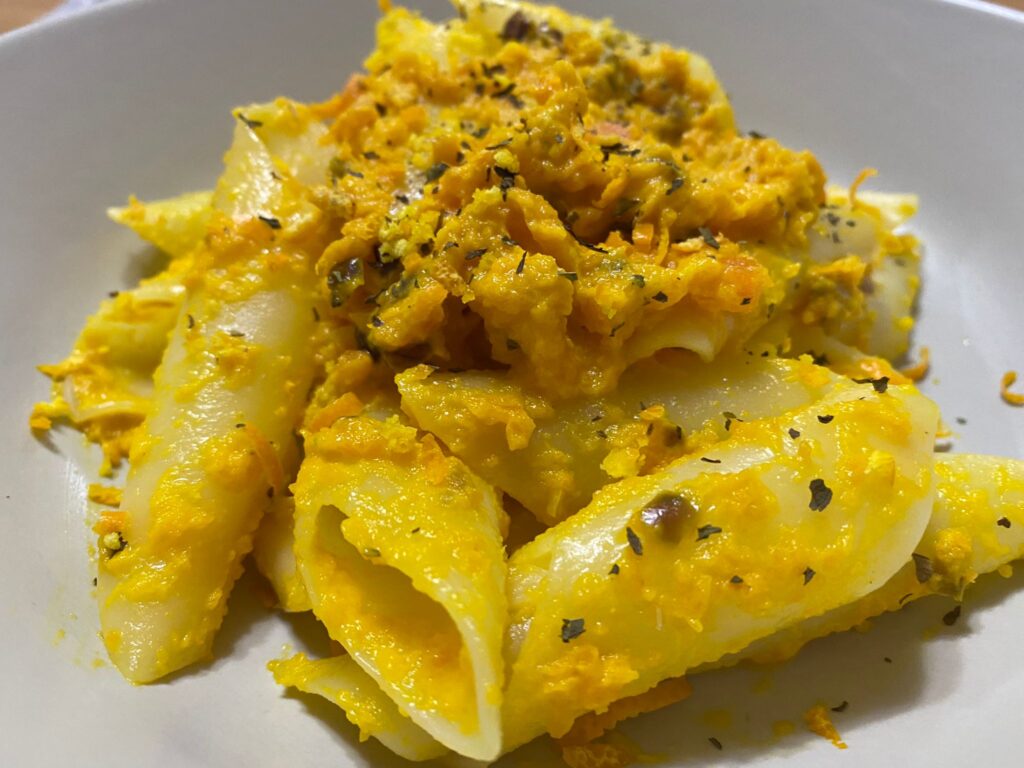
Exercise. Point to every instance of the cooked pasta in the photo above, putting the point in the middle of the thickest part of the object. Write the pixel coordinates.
(534, 379)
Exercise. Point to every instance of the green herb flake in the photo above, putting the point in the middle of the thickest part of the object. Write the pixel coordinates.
(570, 276)
(371, 552)
(660, 296)
(825, 419)
(922, 568)
(638, 281)
(880, 384)
(522, 264)
(634, 541)
(435, 172)
(674, 186)
(571, 629)
(615, 570)
(1004, 522)
(736, 580)
(270, 221)
(708, 238)
(821, 495)
(710, 461)
(476, 253)
(808, 575)
(707, 531)
(951, 618)
(249, 123)
(794, 433)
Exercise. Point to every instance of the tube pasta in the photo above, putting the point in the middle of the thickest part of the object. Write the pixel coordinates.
(552, 459)
(401, 553)
(217, 442)
(671, 604)
(176, 225)
(274, 552)
(343, 682)
(528, 254)
(976, 527)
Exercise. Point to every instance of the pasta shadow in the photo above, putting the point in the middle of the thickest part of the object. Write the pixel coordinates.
(754, 711)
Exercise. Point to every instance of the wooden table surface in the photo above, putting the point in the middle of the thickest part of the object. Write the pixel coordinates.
(16, 13)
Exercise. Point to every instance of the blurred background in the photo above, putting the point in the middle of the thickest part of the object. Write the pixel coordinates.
(18, 13)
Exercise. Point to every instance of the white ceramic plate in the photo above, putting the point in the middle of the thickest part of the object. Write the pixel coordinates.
(135, 97)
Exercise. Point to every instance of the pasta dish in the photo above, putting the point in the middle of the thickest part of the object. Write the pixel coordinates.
(537, 380)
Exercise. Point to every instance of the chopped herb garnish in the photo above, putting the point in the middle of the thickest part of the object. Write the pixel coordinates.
(521, 265)
(511, 345)
(808, 575)
(403, 199)
(517, 27)
(825, 419)
(500, 144)
(435, 172)
(821, 495)
(736, 580)
(706, 531)
(1004, 522)
(794, 433)
(376, 322)
(951, 618)
(236, 334)
(618, 148)
(638, 281)
(343, 279)
(508, 180)
(316, 315)
(476, 253)
(666, 513)
(660, 296)
(677, 182)
(191, 321)
(922, 568)
(708, 238)
(710, 461)
(715, 743)
(572, 277)
(571, 629)
(841, 707)
(371, 155)
(584, 243)
(756, 135)
(270, 221)
(615, 570)
(602, 434)
(961, 420)
(634, 541)
(249, 123)
(371, 552)
(415, 530)
(880, 384)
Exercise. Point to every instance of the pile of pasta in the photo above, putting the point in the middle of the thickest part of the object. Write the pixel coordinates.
(538, 382)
